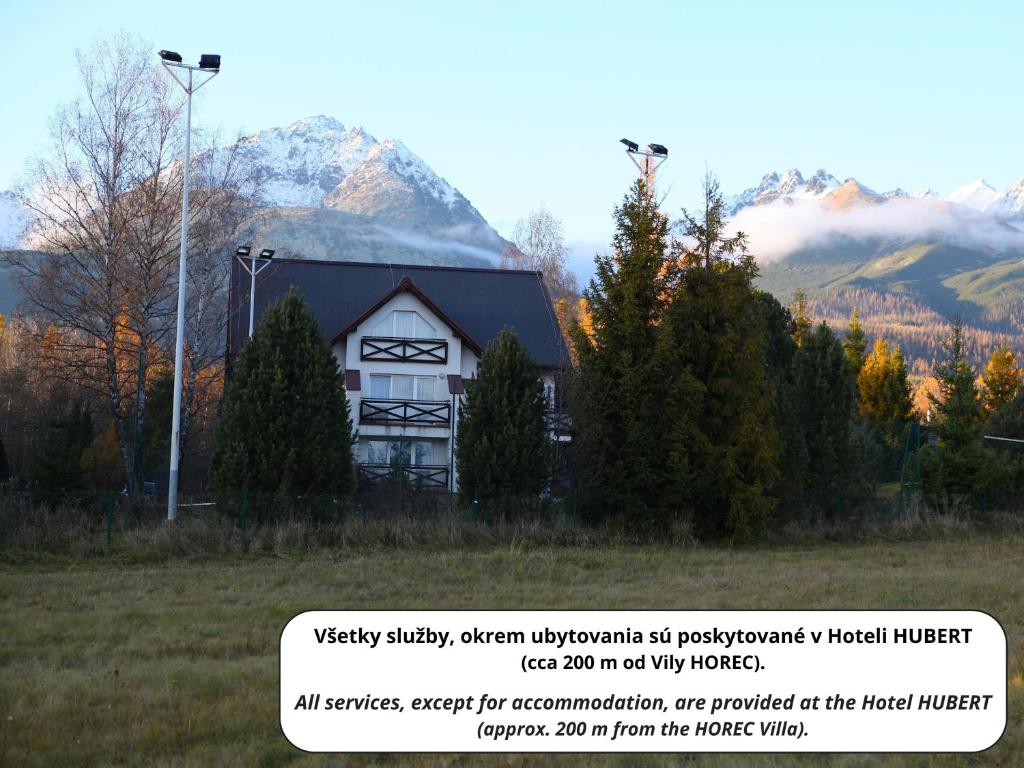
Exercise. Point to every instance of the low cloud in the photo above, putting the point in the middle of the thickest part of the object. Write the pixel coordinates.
(431, 244)
(780, 228)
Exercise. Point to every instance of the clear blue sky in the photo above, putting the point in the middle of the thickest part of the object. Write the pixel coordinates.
(523, 102)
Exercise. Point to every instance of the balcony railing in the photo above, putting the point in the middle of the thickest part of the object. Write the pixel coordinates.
(559, 423)
(420, 475)
(404, 350)
(424, 413)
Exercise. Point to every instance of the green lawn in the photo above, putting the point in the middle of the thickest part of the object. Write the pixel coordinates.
(104, 663)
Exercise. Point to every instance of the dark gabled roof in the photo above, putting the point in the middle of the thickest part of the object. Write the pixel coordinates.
(476, 303)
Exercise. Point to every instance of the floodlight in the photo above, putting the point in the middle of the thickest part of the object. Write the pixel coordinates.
(632, 146)
(658, 149)
(209, 61)
(171, 56)
(243, 251)
(266, 253)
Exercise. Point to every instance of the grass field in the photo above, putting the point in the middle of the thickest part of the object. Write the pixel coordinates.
(107, 663)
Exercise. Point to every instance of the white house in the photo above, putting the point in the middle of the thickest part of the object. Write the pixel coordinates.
(407, 337)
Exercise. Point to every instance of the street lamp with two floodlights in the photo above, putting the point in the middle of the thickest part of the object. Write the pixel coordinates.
(243, 254)
(209, 64)
(651, 159)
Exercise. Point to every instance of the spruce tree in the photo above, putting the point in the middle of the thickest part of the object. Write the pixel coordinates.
(1001, 379)
(959, 468)
(721, 444)
(285, 428)
(57, 473)
(825, 397)
(502, 449)
(793, 457)
(615, 400)
(854, 343)
(1008, 422)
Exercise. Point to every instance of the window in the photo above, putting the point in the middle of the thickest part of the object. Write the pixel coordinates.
(405, 324)
(380, 386)
(400, 452)
(401, 387)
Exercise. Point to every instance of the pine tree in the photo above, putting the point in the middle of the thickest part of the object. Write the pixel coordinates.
(959, 467)
(1001, 379)
(721, 443)
(615, 401)
(854, 343)
(285, 428)
(502, 449)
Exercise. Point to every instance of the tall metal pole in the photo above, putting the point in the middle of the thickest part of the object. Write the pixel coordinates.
(179, 335)
(252, 298)
(210, 65)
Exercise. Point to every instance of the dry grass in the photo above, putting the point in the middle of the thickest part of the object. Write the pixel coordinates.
(106, 663)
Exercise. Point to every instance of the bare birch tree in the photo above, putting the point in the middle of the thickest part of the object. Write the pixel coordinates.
(539, 243)
(107, 200)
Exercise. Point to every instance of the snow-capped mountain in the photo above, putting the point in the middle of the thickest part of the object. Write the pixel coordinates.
(301, 164)
(317, 162)
(336, 192)
(395, 183)
(977, 195)
(790, 187)
(1010, 204)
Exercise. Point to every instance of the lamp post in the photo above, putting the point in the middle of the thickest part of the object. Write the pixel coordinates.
(210, 65)
(264, 256)
(652, 158)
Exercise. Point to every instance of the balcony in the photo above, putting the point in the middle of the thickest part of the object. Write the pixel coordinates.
(416, 413)
(403, 350)
(420, 475)
(558, 423)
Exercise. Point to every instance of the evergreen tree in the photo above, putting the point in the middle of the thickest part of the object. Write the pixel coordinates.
(884, 395)
(615, 402)
(721, 443)
(57, 473)
(159, 407)
(503, 449)
(801, 317)
(285, 428)
(1001, 379)
(781, 349)
(855, 344)
(825, 397)
(1008, 422)
(959, 467)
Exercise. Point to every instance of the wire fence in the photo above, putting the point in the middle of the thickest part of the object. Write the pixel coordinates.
(113, 524)
(110, 522)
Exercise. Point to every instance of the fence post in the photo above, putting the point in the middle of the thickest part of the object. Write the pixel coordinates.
(245, 515)
(363, 502)
(110, 518)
